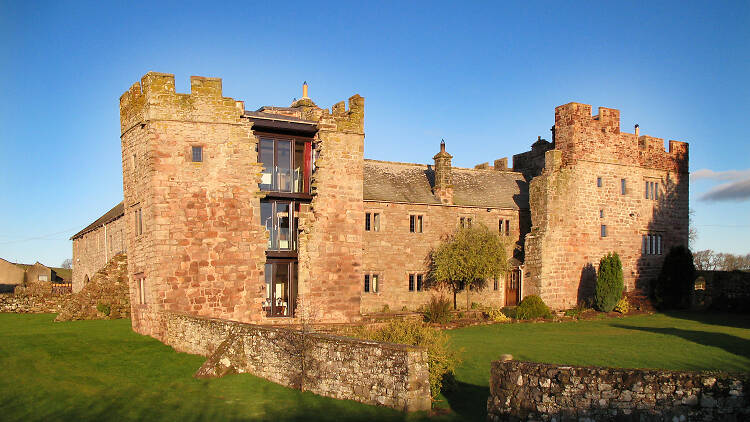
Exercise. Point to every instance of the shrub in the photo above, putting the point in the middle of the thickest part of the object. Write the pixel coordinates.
(609, 283)
(438, 310)
(442, 361)
(103, 308)
(475, 305)
(510, 311)
(385, 309)
(676, 279)
(497, 315)
(532, 307)
(623, 306)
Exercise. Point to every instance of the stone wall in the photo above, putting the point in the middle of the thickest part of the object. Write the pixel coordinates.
(33, 298)
(394, 252)
(92, 251)
(537, 391)
(344, 368)
(108, 287)
(568, 207)
(724, 291)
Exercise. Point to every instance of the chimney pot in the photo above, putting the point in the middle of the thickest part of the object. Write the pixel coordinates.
(637, 129)
(304, 90)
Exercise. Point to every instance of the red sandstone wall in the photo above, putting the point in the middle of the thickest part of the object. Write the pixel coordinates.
(92, 251)
(565, 203)
(394, 252)
(202, 247)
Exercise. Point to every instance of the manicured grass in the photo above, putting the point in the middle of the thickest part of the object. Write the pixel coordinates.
(678, 341)
(101, 370)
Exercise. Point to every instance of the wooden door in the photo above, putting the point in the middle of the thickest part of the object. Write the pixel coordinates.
(513, 287)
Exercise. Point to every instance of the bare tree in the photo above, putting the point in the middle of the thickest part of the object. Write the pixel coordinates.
(67, 264)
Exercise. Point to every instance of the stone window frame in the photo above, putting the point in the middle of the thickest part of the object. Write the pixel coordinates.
(413, 226)
(603, 231)
(373, 220)
(504, 228)
(651, 189)
(601, 213)
(140, 288)
(200, 149)
(138, 221)
(416, 280)
(599, 181)
(368, 278)
(623, 186)
(652, 244)
(465, 221)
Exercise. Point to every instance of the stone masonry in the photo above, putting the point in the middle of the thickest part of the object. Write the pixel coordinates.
(537, 391)
(196, 243)
(96, 244)
(569, 208)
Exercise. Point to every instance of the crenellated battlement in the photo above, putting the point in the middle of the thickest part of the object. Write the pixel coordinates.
(154, 98)
(339, 118)
(579, 135)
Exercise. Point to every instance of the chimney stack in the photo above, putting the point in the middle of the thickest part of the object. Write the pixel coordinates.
(304, 90)
(443, 175)
(637, 130)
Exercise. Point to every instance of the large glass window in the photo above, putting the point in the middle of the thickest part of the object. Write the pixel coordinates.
(286, 165)
(278, 218)
(281, 288)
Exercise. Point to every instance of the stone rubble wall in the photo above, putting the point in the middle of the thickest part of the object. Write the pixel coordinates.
(538, 391)
(366, 371)
(31, 304)
(109, 287)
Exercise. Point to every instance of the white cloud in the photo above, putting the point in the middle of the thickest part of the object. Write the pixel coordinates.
(733, 191)
(719, 175)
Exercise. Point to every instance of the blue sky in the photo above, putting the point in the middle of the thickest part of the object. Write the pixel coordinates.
(484, 76)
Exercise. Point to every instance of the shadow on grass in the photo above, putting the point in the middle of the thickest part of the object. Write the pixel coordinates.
(733, 320)
(469, 401)
(732, 344)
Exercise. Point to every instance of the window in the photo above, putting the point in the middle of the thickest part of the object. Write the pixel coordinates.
(651, 244)
(197, 154)
(500, 227)
(416, 282)
(372, 221)
(281, 288)
(604, 230)
(287, 165)
(371, 283)
(507, 227)
(652, 190)
(496, 285)
(598, 182)
(465, 222)
(140, 282)
(415, 223)
(138, 222)
(43, 278)
(280, 219)
(623, 186)
(601, 213)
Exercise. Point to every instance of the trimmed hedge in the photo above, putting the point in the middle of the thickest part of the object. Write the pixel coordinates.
(676, 280)
(609, 283)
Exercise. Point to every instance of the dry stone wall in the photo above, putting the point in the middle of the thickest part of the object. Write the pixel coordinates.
(537, 391)
(31, 304)
(108, 287)
(344, 368)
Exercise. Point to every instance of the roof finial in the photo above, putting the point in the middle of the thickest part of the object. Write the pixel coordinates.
(442, 145)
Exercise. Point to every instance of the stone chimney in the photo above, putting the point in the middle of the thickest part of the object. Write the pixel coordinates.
(443, 178)
(637, 130)
(304, 90)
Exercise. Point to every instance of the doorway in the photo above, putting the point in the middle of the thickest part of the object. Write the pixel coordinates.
(513, 287)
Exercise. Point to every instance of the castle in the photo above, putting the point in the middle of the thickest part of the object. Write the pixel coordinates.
(274, 216)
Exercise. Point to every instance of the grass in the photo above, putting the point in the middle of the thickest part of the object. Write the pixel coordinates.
(101, 370)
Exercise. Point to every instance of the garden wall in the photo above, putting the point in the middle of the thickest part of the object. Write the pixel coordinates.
(527, 390)
(370, 372)
(31, 304)
(723, 290)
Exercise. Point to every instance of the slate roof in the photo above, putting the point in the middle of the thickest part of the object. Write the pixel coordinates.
(116, 212)
(412, 183)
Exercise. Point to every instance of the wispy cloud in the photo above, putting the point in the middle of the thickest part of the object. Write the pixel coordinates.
(737, 188)
(719, 175)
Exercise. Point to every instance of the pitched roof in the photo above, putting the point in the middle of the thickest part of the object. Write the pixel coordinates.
(412, 183)
(116, 212)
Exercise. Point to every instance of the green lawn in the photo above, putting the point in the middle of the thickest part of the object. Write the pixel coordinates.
(101, 370)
